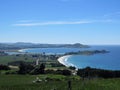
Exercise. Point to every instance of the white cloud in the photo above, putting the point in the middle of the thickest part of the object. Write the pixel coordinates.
(62, 22)
(52, 23)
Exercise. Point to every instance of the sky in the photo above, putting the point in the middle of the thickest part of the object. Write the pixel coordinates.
(95, 22)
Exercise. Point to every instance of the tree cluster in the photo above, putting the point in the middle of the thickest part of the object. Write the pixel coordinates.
(4, 67)
(30, 69)
(93, 72)
(61, 72)
(25, 68)
(56, 65)
(39, 70)
(17, 63)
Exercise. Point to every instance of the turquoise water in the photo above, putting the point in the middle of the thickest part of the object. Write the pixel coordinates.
(110, 61)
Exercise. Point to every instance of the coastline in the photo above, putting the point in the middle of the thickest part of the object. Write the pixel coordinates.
(64, 60)
(21, 50)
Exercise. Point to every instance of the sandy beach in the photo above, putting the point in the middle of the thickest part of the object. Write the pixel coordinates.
(63, 60)
(22, 50)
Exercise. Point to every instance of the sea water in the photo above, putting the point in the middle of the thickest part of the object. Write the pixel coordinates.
(110, 61)
(51, 50)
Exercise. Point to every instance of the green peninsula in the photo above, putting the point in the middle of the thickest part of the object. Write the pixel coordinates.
(87, 52)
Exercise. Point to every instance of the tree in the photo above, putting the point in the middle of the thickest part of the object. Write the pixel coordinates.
(39, 69)
(42, 68)
(85, 73)
(25, 68)
(66, 72)
(72, 68)
(22, 68)
(4, 67)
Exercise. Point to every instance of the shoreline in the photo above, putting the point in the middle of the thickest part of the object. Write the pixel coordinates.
(22, 50)
(64, 60)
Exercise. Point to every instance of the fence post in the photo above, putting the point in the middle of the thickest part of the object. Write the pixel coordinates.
(69, 85)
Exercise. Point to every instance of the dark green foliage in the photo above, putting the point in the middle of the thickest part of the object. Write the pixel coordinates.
(49, 71)
(16, 63)
(56, 65)
(39, 69)
(66, 72)
(42, 69)
(92, 72)
(60, 72)
(87, 52)
(25, 68)
(72, 68)
(4, 67)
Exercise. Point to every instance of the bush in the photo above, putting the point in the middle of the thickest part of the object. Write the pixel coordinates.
(72, 68)
(39, 70)
(4, 67)
(25, 68)
(93, 72)
(66, 72)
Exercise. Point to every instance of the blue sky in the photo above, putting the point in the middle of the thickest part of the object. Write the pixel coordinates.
(60, 21)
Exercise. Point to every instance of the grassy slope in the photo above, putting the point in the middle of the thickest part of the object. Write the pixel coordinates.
(24, 82)
(11, 58)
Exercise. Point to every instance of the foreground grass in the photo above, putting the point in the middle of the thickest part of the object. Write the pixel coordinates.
(57, 82)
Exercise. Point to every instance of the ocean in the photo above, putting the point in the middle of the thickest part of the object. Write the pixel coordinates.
(109, 61)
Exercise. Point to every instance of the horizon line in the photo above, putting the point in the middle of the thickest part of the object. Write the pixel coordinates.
(63, 43)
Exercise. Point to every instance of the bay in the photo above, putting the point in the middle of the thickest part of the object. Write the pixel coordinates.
(109, 61)
(51, 50)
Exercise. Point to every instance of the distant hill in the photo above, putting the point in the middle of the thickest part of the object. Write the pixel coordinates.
(22, 45)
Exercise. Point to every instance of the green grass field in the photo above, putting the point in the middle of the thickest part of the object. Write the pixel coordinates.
(56, 82)
(12, 58)
(28, 58)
